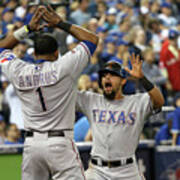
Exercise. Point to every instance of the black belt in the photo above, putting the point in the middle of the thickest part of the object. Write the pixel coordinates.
(50, 133)
(112, 164)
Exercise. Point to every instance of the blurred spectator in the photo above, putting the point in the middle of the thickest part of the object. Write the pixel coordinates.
(164, 136)
(120, 5)
(151, 70)
(110, 19)
(11, 98)
(12, 135)
(81, 15)
(92, 24)
(29, 13)
(94, 83)
(7, 19)
(101, 8)
(97, 8)
(155, 36)
(144, 13)
(176, 121)
(2, 129)
(140, 39)
(109, 51)
(84, 83)
(20, 50)
(127, 11)
(81, 129)
(122, 30)
(166, 14)
(170, 61)
(21, 10)
(71, 42)
(122, 51)
(154, 9)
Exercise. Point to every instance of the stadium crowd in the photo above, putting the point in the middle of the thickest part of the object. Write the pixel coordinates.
(149, 28)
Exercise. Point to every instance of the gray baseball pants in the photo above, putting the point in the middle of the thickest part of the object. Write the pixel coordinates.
(55, 158)
(125, 172)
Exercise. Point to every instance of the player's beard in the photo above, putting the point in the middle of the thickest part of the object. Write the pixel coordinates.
(109, 96)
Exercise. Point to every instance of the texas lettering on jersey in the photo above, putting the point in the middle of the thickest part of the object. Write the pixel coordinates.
(111, 117)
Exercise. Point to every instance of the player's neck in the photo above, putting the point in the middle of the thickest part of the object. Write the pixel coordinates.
(46, 57)
(119, 96)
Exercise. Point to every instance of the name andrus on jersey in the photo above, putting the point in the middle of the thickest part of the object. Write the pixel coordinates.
(39, 79)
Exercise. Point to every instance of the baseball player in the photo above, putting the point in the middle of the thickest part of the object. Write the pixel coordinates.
(47, 90)
(117, 121)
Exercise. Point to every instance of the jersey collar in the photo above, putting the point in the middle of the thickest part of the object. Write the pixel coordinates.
(39, 61)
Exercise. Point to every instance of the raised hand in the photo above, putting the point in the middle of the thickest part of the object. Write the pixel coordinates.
(136, 70)
(34, 24)
(51, 17)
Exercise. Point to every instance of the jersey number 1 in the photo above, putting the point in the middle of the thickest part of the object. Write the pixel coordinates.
(41, 98)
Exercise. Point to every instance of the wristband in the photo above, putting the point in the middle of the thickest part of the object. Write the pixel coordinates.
(148, 86)
(21, 33)
(28, 28)
(64, 26)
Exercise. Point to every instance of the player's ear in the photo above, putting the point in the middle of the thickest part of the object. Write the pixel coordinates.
(56, 53)
(123, 82)
(34, 55)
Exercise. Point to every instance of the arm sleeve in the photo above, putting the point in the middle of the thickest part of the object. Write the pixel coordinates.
(6, 59)
(147, 105)
(76, 60)
(83, 101)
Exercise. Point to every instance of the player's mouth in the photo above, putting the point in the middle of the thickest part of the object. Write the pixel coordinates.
(108, 86)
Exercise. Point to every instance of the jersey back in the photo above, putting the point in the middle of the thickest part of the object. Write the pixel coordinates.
(47, 90)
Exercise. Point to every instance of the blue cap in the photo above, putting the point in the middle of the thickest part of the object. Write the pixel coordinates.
(166, 5)
(101, 29)
(173, 34)
(119, 70)
(110, 39)
(122, 42)
(115, 60)
(94, 77)
(6, 10)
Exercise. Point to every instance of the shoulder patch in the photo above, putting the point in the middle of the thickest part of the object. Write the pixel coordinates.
(6, 56)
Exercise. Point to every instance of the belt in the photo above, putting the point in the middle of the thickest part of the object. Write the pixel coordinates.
(112, 164)
(50, 133)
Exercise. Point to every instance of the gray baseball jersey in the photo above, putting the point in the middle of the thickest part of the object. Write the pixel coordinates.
(116, 125)
(47, 90)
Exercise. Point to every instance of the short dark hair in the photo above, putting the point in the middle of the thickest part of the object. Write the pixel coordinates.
(45, 44)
